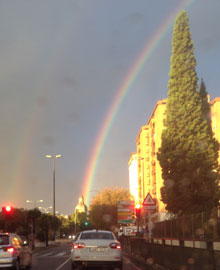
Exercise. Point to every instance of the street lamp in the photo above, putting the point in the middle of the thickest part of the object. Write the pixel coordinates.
(34, 202)
(53, 157)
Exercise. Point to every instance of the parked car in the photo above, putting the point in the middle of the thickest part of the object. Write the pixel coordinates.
(96, 248)
(14, 253)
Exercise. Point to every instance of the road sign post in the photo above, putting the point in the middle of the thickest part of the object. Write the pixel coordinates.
(149, 204)
(125, 212)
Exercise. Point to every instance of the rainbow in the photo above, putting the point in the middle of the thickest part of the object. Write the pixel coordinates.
(122, 92)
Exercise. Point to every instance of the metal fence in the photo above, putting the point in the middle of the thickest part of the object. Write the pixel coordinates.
(205, 225)
(162, 256)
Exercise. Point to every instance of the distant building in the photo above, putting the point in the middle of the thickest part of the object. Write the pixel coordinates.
(148, 142)
(81, 206)
(133, 177)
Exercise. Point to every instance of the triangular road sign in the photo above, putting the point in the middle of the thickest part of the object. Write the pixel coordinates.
(148, 200)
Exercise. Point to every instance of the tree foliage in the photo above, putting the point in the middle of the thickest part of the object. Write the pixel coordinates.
(25, 222)
(47, 224)
(67, 225)
(103, 208)
(18, 222)
(205, 103)
(188, 153)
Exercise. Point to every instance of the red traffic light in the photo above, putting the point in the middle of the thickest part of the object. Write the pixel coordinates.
(137, 206)
(7, 209)
(138, 210)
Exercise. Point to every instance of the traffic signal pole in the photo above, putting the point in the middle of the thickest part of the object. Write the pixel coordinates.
(7, 211)
(149, 226)
(138, 213)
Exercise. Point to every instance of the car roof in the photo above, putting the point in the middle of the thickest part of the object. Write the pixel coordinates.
(6, 233)
(105, 231)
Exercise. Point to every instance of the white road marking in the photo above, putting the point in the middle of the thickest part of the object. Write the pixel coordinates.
(46, 254)
(52, 254)
(59, 267)
(61, 254)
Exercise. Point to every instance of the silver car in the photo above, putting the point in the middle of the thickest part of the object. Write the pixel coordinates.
(14, 253)
(96, 248)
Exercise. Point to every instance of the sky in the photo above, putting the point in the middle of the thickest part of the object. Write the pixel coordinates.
(63, 63)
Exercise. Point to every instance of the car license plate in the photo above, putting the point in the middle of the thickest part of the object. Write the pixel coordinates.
(97, 249)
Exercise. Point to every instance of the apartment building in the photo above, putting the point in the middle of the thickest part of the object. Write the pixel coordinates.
(133, 176)
(215, 118)
(149, 173)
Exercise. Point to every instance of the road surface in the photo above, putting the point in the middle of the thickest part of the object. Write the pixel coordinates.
(58, 258)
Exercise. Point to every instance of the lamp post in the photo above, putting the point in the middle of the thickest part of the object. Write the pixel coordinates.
(34, 202)
(53, 158)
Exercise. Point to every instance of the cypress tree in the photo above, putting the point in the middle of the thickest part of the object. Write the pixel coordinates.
(206, 111)
(205, 103)
(188, 153)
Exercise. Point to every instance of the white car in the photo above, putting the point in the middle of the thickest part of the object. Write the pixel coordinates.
(96, 248)
(14, 253)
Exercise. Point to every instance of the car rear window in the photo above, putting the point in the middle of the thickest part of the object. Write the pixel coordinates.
(4, 240)
(97, 235)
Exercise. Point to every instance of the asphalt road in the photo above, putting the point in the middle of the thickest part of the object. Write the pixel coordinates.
(58, 258)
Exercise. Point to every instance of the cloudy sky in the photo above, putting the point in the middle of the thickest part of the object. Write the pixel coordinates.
(62, 65)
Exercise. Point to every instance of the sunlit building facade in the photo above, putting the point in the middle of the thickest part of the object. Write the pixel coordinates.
(133, 177)
(148, 142)
(215, 118)
(142, 143)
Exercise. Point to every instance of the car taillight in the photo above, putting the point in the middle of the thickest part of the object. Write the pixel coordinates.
(115, 245)
(9, 249)
(78, 245)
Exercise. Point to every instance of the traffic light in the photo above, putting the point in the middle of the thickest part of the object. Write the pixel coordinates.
(7, 210)
(138, 211)
(86, 223)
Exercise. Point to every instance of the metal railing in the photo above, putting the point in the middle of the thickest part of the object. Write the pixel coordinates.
(205, 225)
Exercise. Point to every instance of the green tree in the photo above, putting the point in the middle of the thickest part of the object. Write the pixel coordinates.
(206, 112)
(44, 223)
(188, 153)
(103, 207)
(47, 226)
(33, 215)
(17, 221)
(67, 226)
(205, 103)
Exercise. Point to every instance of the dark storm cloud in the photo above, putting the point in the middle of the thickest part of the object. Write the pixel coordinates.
(62, 63)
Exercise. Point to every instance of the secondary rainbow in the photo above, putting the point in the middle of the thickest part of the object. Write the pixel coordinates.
(121, 93)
